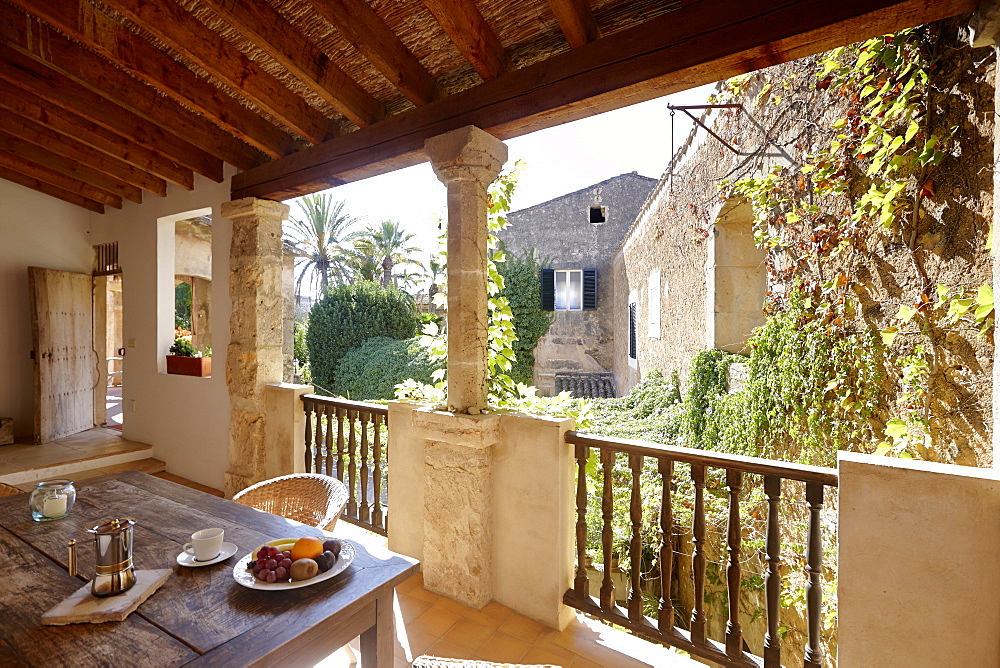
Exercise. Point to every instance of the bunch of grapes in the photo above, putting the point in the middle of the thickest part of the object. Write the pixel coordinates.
(272, 565)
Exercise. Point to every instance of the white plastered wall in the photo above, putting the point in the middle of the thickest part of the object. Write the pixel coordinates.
(35, 230)
(185, 419)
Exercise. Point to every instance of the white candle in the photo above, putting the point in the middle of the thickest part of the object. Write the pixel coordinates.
(54, 506)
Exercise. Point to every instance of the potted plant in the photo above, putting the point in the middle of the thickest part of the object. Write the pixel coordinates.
(185, 359)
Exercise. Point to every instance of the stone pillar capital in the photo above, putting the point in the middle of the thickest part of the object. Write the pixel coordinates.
(466, 154)
(252, 206)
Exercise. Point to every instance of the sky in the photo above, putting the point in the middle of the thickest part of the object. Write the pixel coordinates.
(559, 160)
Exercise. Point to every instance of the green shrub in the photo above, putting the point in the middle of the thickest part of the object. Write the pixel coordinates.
(521, 288)
(372, 370)
(349, 314)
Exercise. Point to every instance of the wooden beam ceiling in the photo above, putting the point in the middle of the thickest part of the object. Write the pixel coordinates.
(362, 27)
(469, 32)
(29, 169)
(700, 43)
(576, 21)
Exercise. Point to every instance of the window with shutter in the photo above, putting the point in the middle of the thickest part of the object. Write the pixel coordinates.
(589, 289)
(632, 327)
(568, 289)
(548, 289)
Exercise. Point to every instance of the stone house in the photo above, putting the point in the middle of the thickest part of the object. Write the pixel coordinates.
(574, 237)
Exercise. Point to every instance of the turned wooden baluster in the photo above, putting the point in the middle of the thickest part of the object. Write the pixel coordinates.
(772, 582)
(365, 507)
(352, 470)
(607, 503)
(331, 417)
(734, 634)
(341, 416)
(814, 569)
(581, 585)
(635, 545)
(309, 435)
(377, 456)
(665, 612)
(321, 410)
(698, 562)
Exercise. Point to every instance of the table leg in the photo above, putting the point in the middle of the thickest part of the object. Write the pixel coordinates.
(376, 642)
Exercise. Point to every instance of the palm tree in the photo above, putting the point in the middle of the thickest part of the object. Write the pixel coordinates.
(387, 245)
(318, 237)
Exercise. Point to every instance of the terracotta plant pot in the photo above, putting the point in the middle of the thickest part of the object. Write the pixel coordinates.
(189, 366)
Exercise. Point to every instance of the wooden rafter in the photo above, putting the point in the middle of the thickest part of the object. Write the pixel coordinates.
(19, 163)
(69, 167)
(650, 60)
(68, 147)
(57, 89)
(576, 20)
(37, 41)
(274, 35)
(184, 33)
(362, 27)
(468, 30)
(49, 189)
(66, 122)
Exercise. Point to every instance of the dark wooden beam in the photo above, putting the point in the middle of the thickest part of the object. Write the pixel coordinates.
(362, 27)
(50, 190)
(279, 39)
(697, 44)
(576, 20)
(45, 46)
(29, 169)
(66, 122)
(55, 88)
(68, 167)
(469, 32)
(68, 147)
(98, 31)
(181, 31)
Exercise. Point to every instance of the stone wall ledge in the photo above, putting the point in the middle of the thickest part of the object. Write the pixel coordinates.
(471, 431)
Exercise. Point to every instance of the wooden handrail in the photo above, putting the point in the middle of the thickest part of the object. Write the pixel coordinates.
(377, 409)
(788, 471)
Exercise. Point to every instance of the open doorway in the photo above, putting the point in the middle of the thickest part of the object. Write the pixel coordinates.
(108, 338)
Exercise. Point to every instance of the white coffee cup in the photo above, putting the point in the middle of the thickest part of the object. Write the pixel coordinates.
(205, 545)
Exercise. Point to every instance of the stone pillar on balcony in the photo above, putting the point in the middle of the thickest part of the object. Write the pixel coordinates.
(466, 161)
(255, 357)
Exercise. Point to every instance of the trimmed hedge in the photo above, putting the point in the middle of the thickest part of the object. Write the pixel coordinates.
(372, 370)
(349, 314)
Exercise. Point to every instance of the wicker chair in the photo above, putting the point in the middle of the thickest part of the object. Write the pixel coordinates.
(443, 662)
(8, 490)
(310, 498)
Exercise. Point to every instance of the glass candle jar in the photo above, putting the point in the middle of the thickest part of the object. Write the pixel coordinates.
(52, 500)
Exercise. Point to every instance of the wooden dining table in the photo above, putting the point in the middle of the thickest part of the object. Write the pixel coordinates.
(200, 616)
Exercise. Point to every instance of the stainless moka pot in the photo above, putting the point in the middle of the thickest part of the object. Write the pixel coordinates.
(114, 571)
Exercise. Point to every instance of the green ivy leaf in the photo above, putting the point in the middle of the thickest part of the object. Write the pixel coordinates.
(889, 335)
(896, 429)
(906, 313)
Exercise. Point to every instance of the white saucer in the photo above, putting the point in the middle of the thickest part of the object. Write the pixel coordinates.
(187, 559)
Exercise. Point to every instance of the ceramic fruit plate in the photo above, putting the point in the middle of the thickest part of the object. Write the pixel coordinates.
(244, 576)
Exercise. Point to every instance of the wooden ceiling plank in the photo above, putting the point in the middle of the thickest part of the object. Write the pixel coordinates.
(50, 190)
(56, 89)
(16, 163)
(576, 20)
(473, 36)
(68, 147)
(181, 31)
(36, 40)
(674, 52)
(279, 39)
(96, 30)
(362, 27)
(69, 167)
(70, 124)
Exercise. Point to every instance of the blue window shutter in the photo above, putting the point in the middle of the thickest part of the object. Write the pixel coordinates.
(589, 289)
(547, 289)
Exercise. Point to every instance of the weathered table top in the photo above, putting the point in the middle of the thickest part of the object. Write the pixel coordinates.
(201, 615)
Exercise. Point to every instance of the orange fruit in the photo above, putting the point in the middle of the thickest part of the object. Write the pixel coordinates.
(308, 547)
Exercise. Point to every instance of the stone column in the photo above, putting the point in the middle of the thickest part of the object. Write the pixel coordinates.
(255, 350)
(466, 161)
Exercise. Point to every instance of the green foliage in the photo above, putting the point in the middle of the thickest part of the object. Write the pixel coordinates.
(650, 411)
(521, 289)
(182, 306)
(316, 238)
(349, 314)
(371, 371)
(300, 351)
(182, 346)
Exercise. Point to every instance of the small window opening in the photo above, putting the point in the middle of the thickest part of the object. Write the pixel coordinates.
(598, 214)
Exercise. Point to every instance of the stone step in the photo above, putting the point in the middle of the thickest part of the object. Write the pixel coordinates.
(93, 449)
(148, 465)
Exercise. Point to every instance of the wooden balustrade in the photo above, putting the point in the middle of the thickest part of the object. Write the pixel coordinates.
(333, 430)
(740, 475)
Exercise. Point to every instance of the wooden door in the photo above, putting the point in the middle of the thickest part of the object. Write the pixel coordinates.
(65, 361)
